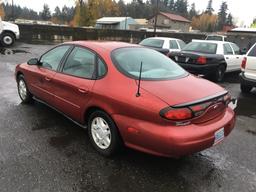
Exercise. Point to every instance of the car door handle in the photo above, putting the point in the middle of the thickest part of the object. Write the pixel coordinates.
(237, 57)
(47, 78)
(83, 90)
(227, 57)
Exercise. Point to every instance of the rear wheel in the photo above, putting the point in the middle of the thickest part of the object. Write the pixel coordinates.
(25, 95)
(103, 133)
(7, 39)
(219, 74)
(245, 88)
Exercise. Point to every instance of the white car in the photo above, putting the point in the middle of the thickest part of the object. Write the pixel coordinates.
(248, 68)
(231, 52)
(171, 44)
(9, 33)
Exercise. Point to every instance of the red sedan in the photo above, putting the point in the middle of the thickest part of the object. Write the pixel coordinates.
(127, 95)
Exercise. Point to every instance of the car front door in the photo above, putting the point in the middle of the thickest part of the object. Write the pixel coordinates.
(250, 70)
(41, 75)
(74, 83)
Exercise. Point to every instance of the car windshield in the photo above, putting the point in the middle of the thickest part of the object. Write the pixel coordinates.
(201, 47)
(155, 66)
(157, 43)
(215, 38)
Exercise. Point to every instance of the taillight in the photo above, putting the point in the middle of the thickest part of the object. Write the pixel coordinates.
(227, 99)
(177, 114)
(243, 65)
(201, 60)
(200, 109)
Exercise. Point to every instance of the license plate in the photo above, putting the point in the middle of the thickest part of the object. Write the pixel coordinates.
(233, 104)
(219, 136)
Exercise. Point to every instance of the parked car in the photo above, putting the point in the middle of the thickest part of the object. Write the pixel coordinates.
(163, 43)
(248, 74)
(9, 33)
(215, 37)
(209, 58)
(129, 95)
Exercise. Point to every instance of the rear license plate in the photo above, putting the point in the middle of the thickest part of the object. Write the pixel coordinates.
(219, 136)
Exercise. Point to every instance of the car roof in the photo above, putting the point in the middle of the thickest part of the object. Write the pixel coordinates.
(104, 46)
(163, 38)
(211, 41)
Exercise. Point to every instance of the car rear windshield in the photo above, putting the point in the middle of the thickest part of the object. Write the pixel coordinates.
(202, 47)
(157, 43)
(155, 66)
(214, 38)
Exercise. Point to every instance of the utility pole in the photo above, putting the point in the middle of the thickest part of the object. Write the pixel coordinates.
(157, 11)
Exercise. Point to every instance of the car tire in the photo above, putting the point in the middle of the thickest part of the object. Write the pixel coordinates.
(219, 73)
(7, 39)
(104, 134)
(245, 88)
(25, 95)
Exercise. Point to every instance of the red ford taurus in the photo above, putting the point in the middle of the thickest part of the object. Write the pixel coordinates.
(127, 95)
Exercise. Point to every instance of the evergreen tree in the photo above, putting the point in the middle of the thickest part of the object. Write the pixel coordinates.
(45, 14)
(222, 15)
(209, 8)
(172, 5)
(192, 11)
(230, 20)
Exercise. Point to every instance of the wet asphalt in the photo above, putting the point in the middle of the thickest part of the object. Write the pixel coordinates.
(40, 150)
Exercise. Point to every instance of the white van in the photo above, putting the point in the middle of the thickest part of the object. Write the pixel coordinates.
(9, 33)
(248, 67)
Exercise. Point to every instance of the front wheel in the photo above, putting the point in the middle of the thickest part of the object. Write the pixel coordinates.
(23, 91)
(103, 133)
(7, 39)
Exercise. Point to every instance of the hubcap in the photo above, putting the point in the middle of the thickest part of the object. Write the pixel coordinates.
(101, 133)
(7, 40)
(22, 90)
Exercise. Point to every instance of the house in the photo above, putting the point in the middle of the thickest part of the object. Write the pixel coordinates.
(170, 22)
(121, 23)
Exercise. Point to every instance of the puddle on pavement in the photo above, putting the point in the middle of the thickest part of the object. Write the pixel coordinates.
(5, 51)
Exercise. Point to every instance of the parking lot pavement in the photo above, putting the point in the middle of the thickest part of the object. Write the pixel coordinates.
(40, 150)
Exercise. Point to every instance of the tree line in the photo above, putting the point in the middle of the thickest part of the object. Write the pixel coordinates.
(86, 12)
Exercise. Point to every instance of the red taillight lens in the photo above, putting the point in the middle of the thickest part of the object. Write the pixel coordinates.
(178, 114)
(243, 65)
(200, 109)
(201, 60)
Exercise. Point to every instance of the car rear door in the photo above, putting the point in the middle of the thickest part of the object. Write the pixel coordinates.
(229, 57)
(250, 69)
(40, 76)
(74, 82)
(238, 58)
(173, 45)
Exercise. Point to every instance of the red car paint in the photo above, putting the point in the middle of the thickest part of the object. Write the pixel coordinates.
(137, 118)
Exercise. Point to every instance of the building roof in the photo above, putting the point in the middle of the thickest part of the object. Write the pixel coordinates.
(175, 17)
(111, 20)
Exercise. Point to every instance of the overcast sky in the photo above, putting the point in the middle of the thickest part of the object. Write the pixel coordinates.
(244, 10)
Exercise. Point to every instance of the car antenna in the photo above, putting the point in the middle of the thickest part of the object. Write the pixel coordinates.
(138, 91)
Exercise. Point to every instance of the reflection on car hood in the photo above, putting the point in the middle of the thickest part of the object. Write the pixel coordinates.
(180, 91)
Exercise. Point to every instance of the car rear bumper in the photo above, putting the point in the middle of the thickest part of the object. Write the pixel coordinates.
(173, 141)
(200, 69)
(246, 81)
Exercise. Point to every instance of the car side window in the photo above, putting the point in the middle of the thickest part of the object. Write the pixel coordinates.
(235, 48)
(227, 49)
(182, 44)
(52, 59)
(80, 63)
(173, 44)
(102, 70)
(252, 53)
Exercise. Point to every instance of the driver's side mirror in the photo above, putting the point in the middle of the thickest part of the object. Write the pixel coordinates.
(33, 61)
